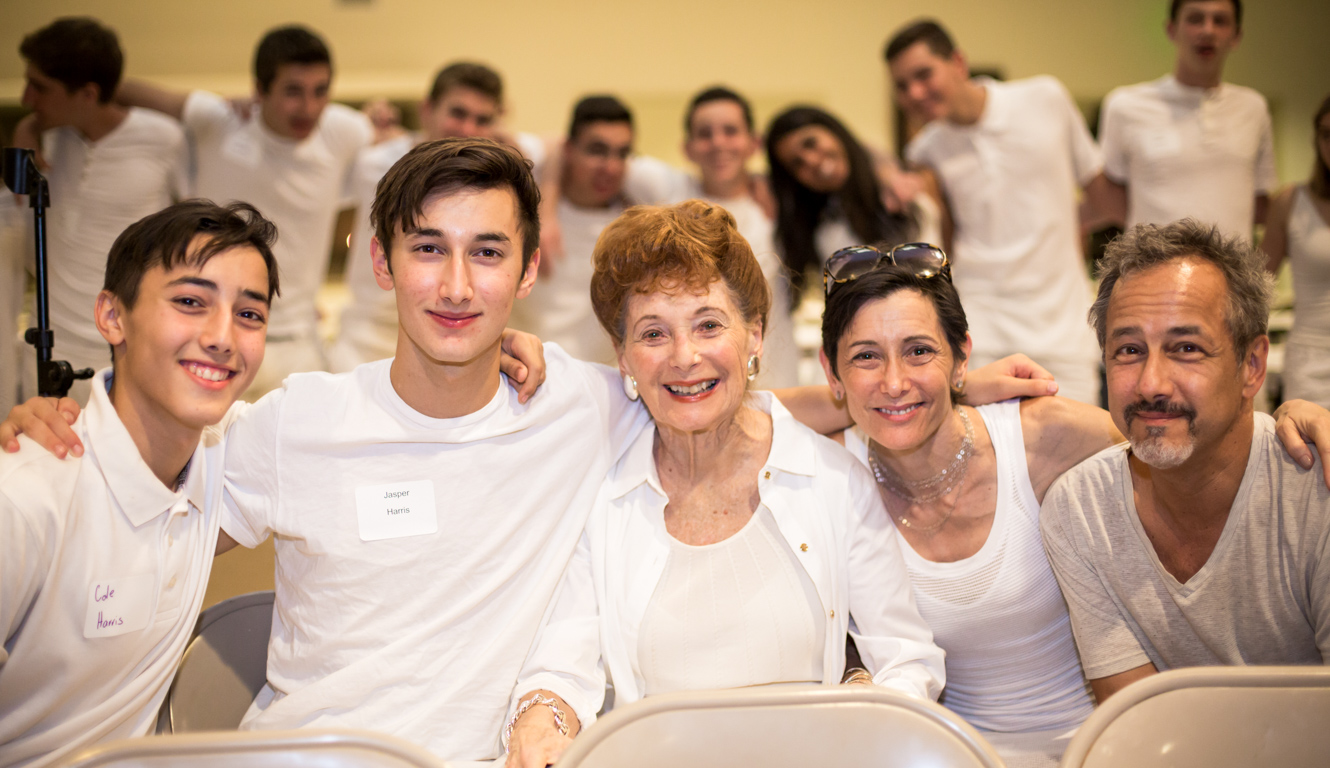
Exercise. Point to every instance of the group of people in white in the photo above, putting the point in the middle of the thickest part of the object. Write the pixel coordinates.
(474, 532)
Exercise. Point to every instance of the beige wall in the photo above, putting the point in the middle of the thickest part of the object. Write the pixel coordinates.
(656, 54)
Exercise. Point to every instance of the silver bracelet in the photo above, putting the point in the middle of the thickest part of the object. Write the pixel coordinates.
(560, 719)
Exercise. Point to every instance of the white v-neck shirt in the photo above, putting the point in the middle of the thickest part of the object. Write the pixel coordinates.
(419, 636)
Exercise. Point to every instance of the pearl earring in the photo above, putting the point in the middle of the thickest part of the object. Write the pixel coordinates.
(630, 387)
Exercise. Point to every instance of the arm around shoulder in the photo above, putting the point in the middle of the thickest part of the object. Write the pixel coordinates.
(1060, 433)
(252, 491)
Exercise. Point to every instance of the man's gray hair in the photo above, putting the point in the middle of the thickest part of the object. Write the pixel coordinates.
(1250, 287)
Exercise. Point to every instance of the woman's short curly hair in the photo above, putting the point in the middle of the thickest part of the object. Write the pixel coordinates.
(686, 246)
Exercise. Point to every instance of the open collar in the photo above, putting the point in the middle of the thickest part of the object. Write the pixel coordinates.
(133, 486)
(792, 451)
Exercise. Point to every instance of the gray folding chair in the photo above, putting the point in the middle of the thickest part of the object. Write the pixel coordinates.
(223, 668)
(781, 728)
(1215, 717)
(259, 749)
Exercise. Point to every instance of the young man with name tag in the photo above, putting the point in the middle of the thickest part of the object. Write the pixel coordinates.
(104, 558)
(424, 513)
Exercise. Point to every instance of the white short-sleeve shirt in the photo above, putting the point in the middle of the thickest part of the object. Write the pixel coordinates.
(1181, 151)
(299, 185)
(102, 574)
(1012, 180)
(98, 188)
(415, 623)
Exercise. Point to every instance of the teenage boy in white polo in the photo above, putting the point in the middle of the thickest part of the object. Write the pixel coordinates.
(108, 166)
(104, 558)
(1189, 144)
(291, 160)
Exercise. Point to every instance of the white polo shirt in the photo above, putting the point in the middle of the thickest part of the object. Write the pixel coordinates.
(1183, 151)
(98, 188)
(416, 557)
(299, 185)
(1012, 180)
(102, 573)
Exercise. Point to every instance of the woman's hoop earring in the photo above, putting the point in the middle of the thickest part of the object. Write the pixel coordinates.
(630, 387)
(754, 366)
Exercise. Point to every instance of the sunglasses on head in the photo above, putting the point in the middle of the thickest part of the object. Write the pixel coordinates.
(852, 263)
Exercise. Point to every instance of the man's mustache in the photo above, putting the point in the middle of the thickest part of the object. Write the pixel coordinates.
(1162, 407)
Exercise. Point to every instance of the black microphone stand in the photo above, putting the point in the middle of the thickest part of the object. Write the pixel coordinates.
(54, 377)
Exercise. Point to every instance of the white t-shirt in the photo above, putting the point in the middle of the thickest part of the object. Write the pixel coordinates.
(1184, 151)
(415, 623)
(654, 181)
(368, 329)
(97, 190)
(102, 574)
(559, 306)
(1012, 180)
(299, 185)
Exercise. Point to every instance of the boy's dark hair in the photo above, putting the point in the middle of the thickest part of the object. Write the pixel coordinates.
(466, 74)
(1176, 6)
(451, 165)
(163, 239)
(717, 93)
(77, 50)
(922, 31)
(598, 109)
(287, 45)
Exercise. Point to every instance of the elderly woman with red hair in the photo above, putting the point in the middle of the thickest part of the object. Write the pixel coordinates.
(731, 545)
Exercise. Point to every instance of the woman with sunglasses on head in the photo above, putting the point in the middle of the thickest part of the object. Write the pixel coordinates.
(831, 192)
(963, 486)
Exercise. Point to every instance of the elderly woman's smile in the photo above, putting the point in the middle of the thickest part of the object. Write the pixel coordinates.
(688, 351)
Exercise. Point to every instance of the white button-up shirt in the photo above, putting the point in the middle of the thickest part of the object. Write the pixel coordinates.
(102, 573)
(829, 513)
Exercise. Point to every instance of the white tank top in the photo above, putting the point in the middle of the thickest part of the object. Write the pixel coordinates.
(1309, 260)
(735, 613)
(999, 615)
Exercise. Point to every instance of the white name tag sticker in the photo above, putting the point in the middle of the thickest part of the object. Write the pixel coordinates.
(396, 510)
(117, 606)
